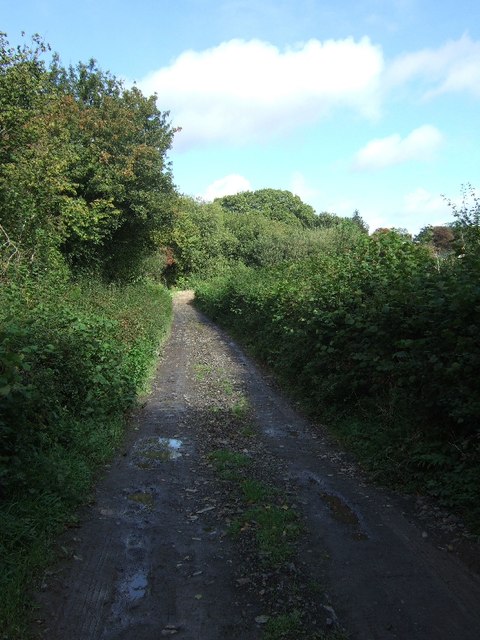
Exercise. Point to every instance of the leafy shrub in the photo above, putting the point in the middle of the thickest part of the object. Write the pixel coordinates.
(381, 331)
(72, 360)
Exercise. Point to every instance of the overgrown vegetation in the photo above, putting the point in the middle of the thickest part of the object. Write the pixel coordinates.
(85, 192)
(378, 335)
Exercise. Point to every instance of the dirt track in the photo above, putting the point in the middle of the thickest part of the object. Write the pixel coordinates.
(152, 558)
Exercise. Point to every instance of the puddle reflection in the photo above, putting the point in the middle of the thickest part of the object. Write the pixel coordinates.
(136, 586)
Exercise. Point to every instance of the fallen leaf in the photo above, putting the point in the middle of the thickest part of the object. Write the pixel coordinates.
(206, 509)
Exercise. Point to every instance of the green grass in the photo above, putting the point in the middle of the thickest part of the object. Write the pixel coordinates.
(226, 386)
(248, 431)
(241, 408)
(276, 526)
(254, 491)
(286, 626)
(229, 464)
(290, 626)
(202, 371)
(276, 530)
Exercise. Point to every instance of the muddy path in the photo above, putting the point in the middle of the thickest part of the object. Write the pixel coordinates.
(153, 555)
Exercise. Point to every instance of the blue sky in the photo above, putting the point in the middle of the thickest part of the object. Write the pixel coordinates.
(364, 104)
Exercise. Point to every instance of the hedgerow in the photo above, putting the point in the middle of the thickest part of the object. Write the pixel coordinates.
(73, 360)
(86, 193)
(381, 341)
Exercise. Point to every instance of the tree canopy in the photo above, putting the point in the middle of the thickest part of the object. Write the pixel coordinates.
(83, 170)
(274, 204)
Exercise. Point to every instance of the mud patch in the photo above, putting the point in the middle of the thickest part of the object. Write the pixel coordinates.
(145, 499)
(343, 513)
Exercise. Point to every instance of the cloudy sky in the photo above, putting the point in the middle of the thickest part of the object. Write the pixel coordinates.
(360, 104)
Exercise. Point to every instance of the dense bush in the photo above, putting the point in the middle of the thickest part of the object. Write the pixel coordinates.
(83, 168)
(72, 361)
(381, 332)
(258, 229)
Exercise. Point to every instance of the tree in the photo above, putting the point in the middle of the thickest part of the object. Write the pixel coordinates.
(359, 221)
(274, 204)
(467, 220)
(123, 181)
(83, 168)
(440, 238)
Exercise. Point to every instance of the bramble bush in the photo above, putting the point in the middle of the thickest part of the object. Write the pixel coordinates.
(381, 340)
(72, 362)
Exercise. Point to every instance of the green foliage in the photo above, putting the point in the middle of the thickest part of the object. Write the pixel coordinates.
(467, 221)
(86, 195)
(359, 221)
(197, 239)
(72, 359)
(273, 204)
(441, 239)
(204, 239)
(276, 528)
(288, 625)
(229, 464)
(255, 492)
(83, 170)
(379, 330)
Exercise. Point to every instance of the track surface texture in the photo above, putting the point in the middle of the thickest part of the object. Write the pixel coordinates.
(153, 557)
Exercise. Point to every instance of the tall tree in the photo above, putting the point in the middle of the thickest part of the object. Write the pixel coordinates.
(83, 164)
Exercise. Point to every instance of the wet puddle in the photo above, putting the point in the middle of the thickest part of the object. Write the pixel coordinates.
(343, 513)
(157, 450)
(131, 590)
(171, 447)
(135, 586)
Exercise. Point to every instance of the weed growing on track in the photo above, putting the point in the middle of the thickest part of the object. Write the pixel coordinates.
(289, 627)
(201, 371)
(241, 408)
(229, 464)
(275, 526)
(276, 529)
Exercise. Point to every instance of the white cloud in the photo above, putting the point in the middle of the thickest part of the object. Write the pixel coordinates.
(300, 188)
(453, 67)
(420, 144)
(415, 209)
(425, 208)
(248, 90)
(226, 186)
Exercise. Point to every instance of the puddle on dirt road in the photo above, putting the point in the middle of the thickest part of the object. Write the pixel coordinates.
(135, 587)
(343, 513)
(151, 451)
(171, 446)
(130, 591)
(284, 431)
